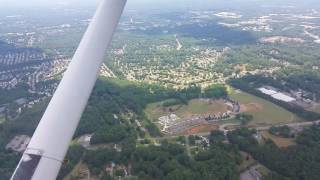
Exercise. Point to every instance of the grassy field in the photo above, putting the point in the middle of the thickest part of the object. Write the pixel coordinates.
(263, 111)
(2, 120)
(316, 108)
(279, 141)
(154, 111)
(194, 108)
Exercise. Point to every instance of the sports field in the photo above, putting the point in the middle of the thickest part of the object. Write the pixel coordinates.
(194, 108)
(263, 111)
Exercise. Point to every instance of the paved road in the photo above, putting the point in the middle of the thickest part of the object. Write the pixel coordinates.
(179, 45)
(293, 125)
(222, 127)
(188, 146)
(251, 174)
(247, 176)
(262, 128)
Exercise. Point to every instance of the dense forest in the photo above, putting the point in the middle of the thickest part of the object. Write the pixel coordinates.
(117, 97)
(212, 31)
(297, 162)
(301, 79)
(170, 162)
(110, 115)
(7, 96)
(121, 97)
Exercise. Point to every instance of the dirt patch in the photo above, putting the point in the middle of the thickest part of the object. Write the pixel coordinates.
(201, 129)
(251, 107)
(231, 127)
(315, 108)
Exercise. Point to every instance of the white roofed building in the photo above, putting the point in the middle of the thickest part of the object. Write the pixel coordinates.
(276, 95)
(283, 97)
(267, 91)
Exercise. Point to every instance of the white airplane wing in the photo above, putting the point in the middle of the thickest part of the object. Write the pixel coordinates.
(46, 151)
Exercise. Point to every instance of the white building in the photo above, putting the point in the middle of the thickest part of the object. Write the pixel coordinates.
(276, 95)
(267, 91)
(283, 97)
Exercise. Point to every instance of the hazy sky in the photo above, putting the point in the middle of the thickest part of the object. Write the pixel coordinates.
(4, 4)
(27, 3)
(145, 3)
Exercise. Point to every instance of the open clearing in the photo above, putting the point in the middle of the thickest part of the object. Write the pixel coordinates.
(2, 120)
(264, 112)
(194, 108)
(201, 129)
(316, 108)
(279, 141)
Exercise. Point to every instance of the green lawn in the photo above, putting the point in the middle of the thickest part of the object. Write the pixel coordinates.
(198, 107)
(263, 111)
(2, 120)
(154, 111)
(195, 107)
